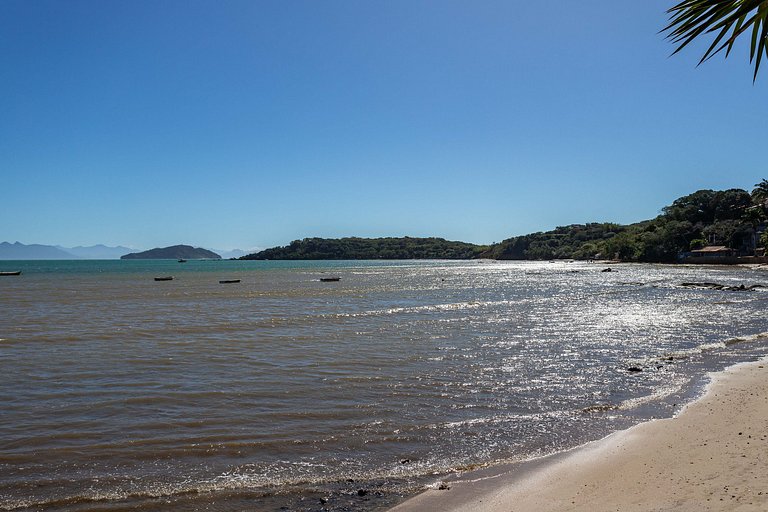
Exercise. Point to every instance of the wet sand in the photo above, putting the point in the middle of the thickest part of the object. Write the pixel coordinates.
(712, 456)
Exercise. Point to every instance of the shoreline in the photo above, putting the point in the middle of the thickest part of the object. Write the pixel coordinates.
(713, 455)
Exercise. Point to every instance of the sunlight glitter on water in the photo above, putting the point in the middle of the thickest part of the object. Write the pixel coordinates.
(285, 387)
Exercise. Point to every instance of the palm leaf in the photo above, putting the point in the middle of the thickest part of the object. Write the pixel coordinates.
(727, 20)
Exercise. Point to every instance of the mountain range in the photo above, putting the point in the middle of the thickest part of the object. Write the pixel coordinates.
(19, 251)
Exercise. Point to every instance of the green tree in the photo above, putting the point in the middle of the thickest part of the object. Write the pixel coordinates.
(764, 239)
(760, 192)
(726, 20)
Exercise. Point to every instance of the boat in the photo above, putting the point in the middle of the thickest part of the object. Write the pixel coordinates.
(11, 273)
(164, 278)
(182, 260)
(229, 281)
(329, 279)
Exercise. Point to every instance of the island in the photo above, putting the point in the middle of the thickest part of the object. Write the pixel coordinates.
(174, 252)
(354, 248)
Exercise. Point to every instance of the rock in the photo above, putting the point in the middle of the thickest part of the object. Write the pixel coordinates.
(599, 408)
(405, 461)
(362, 492)
(443, 486)
(710, 286)
(607, 270)
(634, 369)
(717, 286)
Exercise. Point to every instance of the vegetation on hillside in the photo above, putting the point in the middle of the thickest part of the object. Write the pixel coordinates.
(172, 253)
(733, 218)
(369, 249)
(576, 241)
(729, 217)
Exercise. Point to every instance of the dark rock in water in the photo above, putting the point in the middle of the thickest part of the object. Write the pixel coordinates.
(443, 486)
(600, 408)
(711, 286)
(607, 270)
(717, 286)
(405, 461)
(362, 492)
(634, 369)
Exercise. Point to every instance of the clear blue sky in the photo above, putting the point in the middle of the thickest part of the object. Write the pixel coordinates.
(252, 123)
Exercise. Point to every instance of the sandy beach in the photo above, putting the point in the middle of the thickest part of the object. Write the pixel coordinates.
(712, 456)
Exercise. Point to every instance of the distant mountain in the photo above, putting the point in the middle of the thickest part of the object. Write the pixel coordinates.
(174, 252)
(235, 253)
(97, 252)
(19, 251)
(370, 249)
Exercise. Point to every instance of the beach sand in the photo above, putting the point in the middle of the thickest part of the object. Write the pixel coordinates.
(712, 456)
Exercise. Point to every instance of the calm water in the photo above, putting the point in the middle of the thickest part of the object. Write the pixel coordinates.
(283, 392)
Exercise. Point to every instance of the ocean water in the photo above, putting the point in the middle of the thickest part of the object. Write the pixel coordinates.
(283, 392)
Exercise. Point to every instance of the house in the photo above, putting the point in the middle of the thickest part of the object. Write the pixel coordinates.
(713, 251)
(711, 255)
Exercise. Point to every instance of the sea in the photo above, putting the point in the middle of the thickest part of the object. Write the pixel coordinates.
(285, 392)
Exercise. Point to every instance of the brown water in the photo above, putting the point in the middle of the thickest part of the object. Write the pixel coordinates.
(118, 392)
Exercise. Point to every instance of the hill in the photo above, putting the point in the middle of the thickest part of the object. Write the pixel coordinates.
(733, 218)
(19, 251)
(172, 253)
(369, 249)
(576, 241)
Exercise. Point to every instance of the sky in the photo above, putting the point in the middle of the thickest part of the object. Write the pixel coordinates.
(248, 124)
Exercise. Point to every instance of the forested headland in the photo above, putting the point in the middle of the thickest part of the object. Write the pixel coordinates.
(733, 218)
(354, 248)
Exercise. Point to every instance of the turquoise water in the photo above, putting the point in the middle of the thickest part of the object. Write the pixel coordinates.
(173, 266)
(122, 393)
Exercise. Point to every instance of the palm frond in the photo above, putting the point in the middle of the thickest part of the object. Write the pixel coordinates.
(727, 20)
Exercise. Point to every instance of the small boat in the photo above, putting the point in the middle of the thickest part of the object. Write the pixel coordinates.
(11, 273)
(329, 279)
(164, 278)
(229, 281)
(182, 260)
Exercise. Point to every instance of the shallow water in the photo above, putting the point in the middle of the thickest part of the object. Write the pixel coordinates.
(119, 392)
